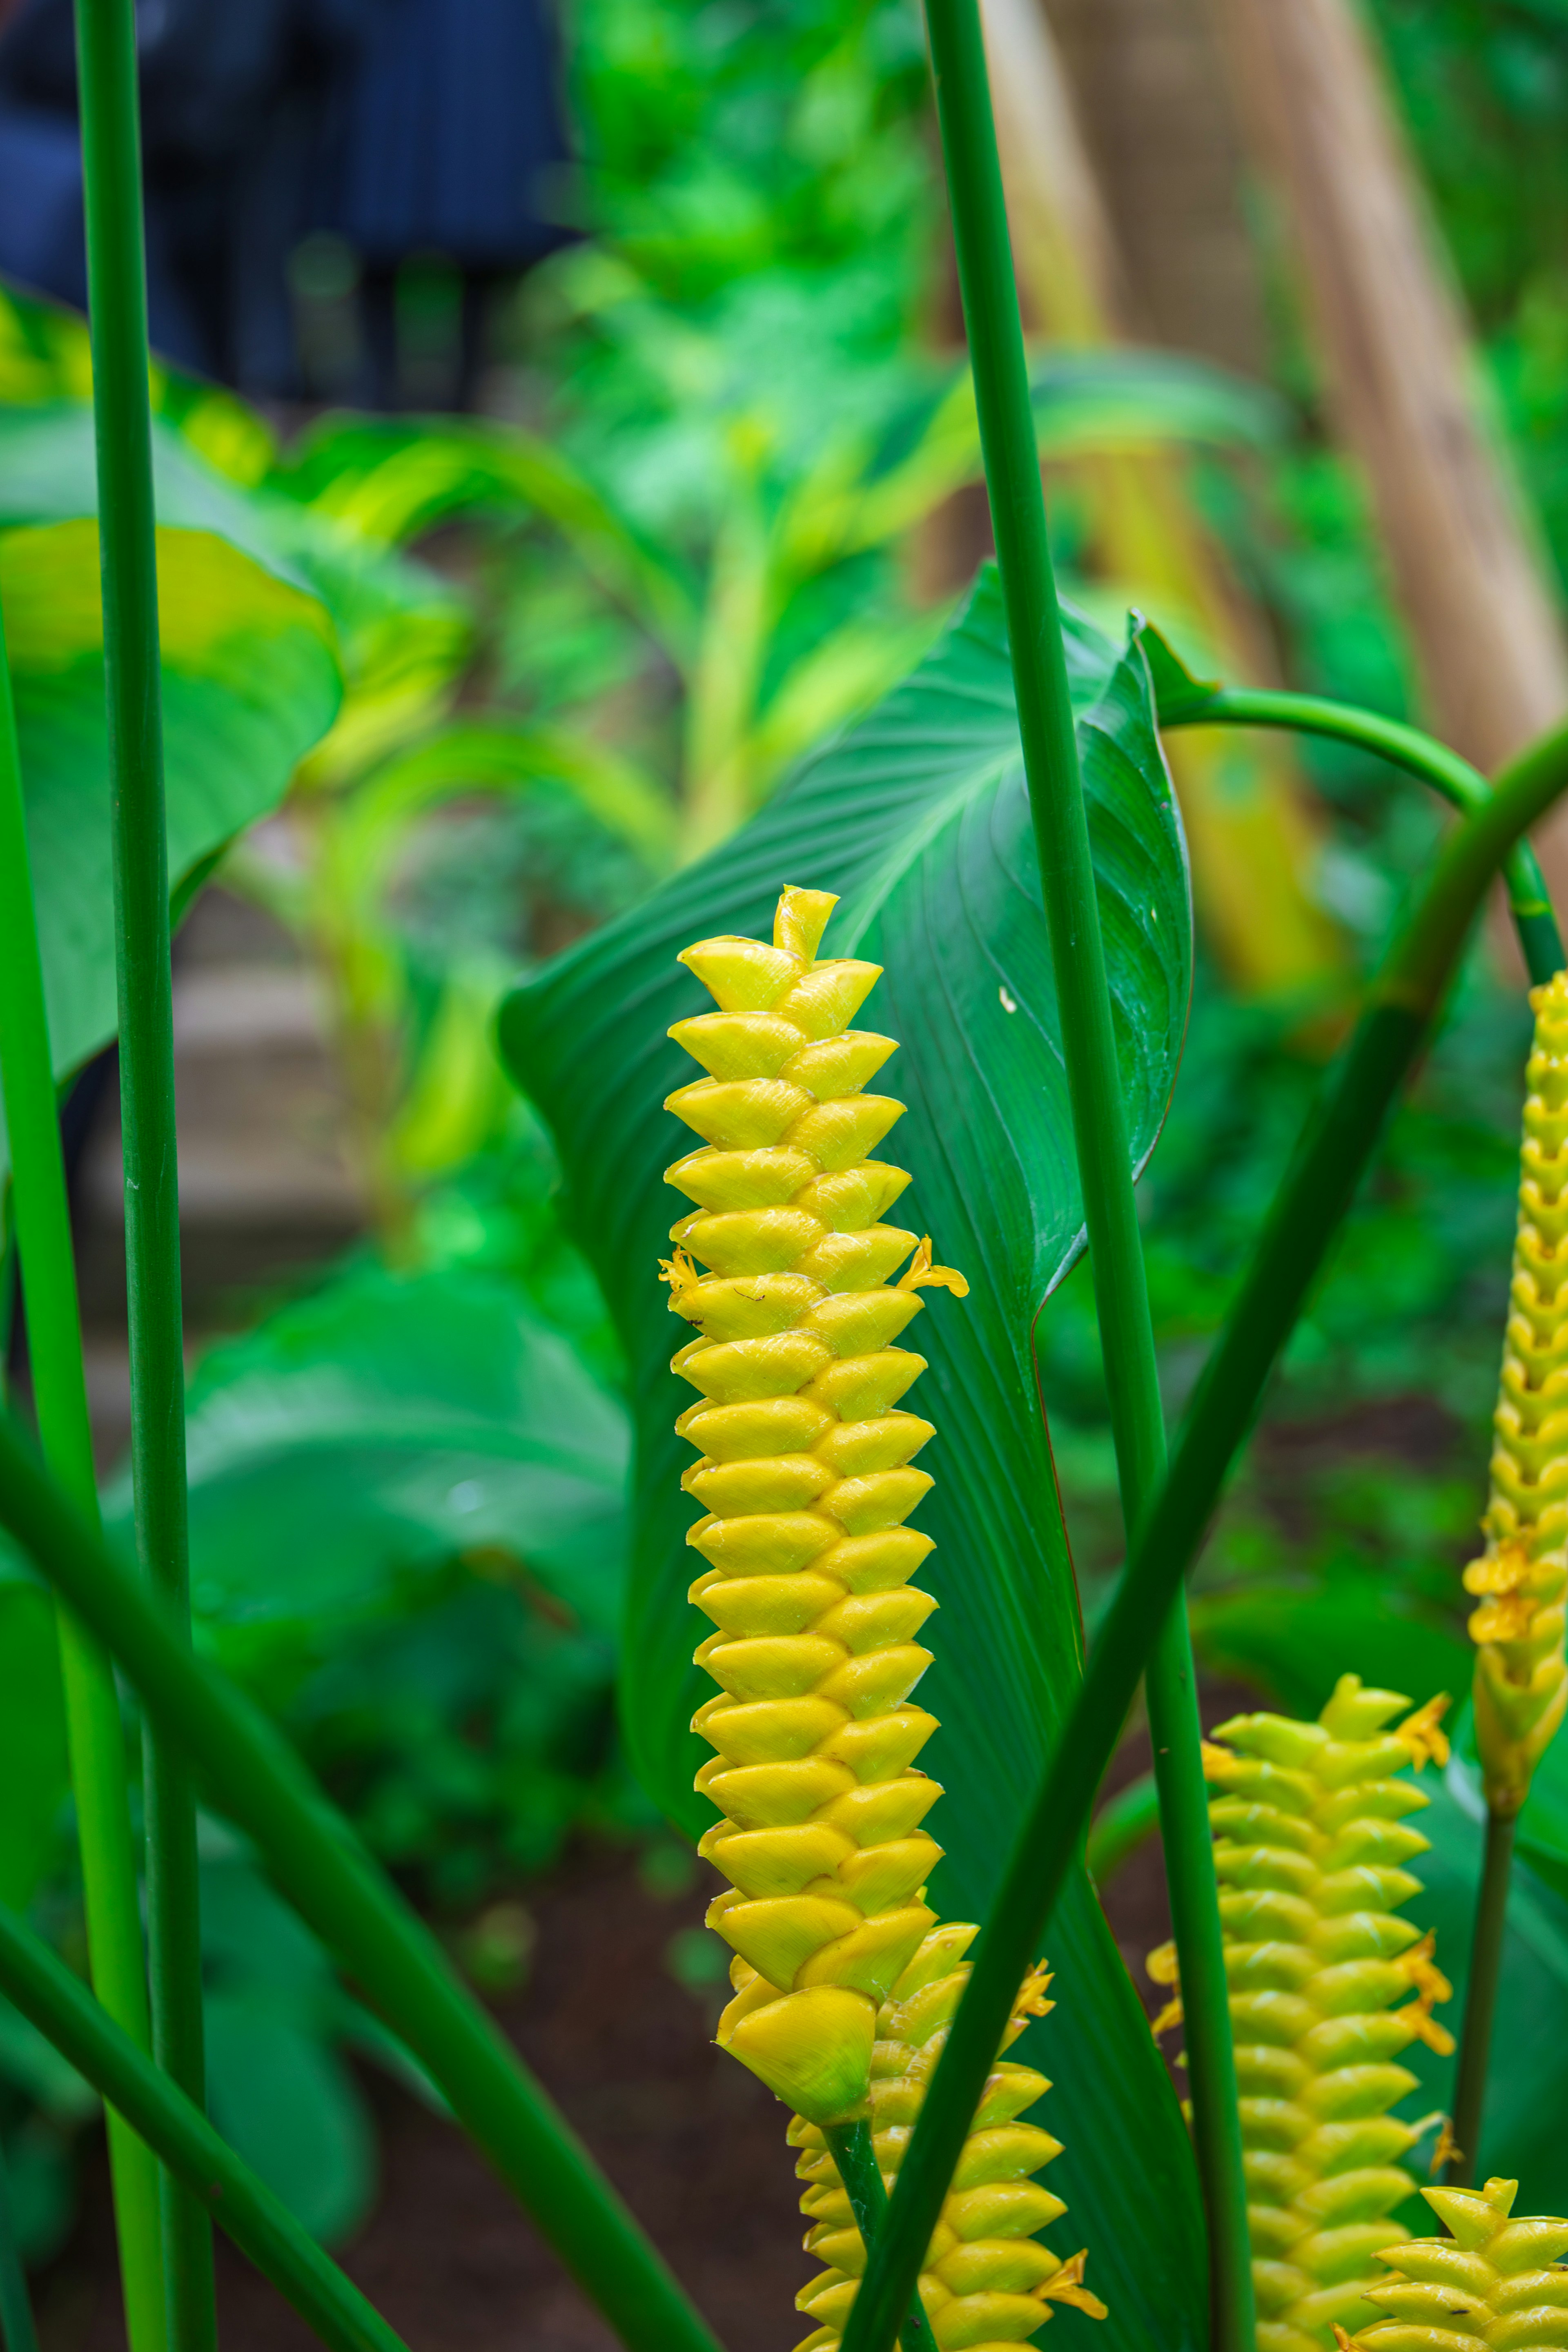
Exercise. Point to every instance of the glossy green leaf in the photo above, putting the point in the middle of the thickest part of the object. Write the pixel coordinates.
(1294, 1641)
(250, 681)
(919, 821)
(368, 1433)
(279, 2089)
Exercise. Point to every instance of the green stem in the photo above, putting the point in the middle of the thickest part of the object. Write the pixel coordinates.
(255, 1778)
(95, 1735)
(1312, 1201)
(1462, 786)
(1126, 1821)
(1049, 741)
(117, 305)
(1481, 2001)
(260, 2225)
(854, 2152)
(17, 2332)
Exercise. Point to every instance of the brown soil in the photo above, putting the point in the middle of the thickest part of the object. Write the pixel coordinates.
(694, 2145)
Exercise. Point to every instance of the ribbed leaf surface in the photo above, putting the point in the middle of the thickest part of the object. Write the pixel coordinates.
(919, 821)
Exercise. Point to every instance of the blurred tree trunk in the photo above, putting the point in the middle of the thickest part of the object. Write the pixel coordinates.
(1403, 382)
(1253, 836)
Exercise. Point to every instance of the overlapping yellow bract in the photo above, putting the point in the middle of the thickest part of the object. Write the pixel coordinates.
(1495, 2282)
(1521, 1580)
(1328, 1986)
(843, 1981)
(986, 2279)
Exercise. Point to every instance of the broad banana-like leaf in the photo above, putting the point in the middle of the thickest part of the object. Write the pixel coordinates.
(250, 681)
(360, 1438)
(919, 820)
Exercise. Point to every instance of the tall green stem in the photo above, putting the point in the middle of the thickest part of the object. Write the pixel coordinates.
(1453, 778)
(855, 2154)
(45, 1991)
(1049, 741)
(1481, 2001)
(257, 1781)
(17, 2332)
(117, 303)
(94, 1732)
(1307, 1211)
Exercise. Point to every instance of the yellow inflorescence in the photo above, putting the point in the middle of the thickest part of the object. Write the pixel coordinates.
(844, 1982)
(1328, 1986)
(986, 2280)
(1521, 1682)
(807, 1475)
(1496, 2281)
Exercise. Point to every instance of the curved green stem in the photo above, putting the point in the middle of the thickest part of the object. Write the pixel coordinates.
(1306, 1213)
(260, 2225)
(117, 311)
(95, 1735)
(1481, 2001)
(254, 1778)
(1049, 741)
(1453, 778)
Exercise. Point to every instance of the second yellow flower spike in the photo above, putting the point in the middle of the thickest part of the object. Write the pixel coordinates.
(1520, 1582)
(1495, 2282)
(1328, 1986)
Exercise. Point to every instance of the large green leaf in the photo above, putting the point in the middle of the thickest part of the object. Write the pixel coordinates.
(250, 681)
(368, 1435)
(919, 821)
(1522, 2135)
(278, 2086)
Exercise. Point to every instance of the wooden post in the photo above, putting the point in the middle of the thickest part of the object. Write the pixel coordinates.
(1401, 381)
(1252, 829)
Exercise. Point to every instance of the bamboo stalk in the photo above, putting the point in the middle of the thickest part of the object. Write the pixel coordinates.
(260, 2225)
(117, 305)
(1049, 741)
(95, 1737)
(318, 1863)
(1307, 1211)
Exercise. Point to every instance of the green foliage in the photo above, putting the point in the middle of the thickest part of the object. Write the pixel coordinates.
(250, 682)
(919, 820)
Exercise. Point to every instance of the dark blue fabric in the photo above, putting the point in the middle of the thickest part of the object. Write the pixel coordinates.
(451, 135)
(40, 203)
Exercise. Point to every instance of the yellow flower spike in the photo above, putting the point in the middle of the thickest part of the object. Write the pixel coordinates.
(1311, 1849)
(986, 2279)
(1492, 2281)
(1521, 1581)
(844, 1984)
(806, 1474)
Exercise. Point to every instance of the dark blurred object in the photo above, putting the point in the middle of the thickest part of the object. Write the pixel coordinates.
(451, 143)
(382, 132)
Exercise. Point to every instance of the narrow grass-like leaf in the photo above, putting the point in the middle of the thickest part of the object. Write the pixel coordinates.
(254, 1778)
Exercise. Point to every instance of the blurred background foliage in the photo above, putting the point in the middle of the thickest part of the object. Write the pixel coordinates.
(719, 498)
